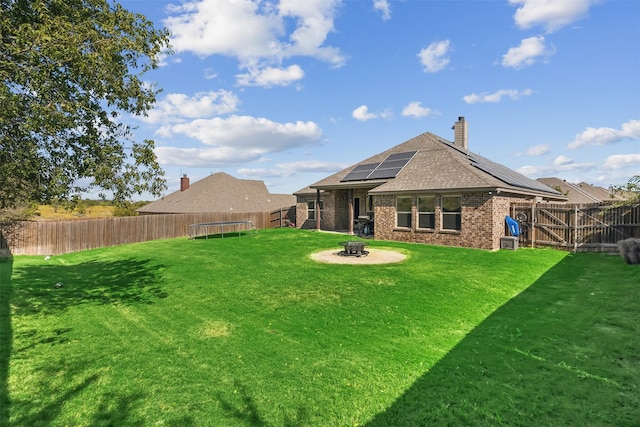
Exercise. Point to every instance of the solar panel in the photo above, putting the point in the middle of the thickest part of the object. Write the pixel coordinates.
(366, 167)
(384, 173)
(389, 164)
(389, 168)
(505, 174)
(401, 156)
(360, 172)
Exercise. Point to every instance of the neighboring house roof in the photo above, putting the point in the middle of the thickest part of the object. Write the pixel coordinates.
(439, 166)
(600, 192)
(581, 193)
(220, 192)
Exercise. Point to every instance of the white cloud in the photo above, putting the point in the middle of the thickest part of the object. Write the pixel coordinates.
(561, 164)
(434, 57)
(384, 7)
(210, 74)
(362, 113)
(258, 34)
(245, 132)
(293, 168)
(550, 14)
(538, 150)
(176, 107)
(604, 135)
(620, 161)
(205, 157)
(269, 76)
(415, 109)
(496, 96)
(527, 53)
(236, 28)
(562, 161)
(235, 140)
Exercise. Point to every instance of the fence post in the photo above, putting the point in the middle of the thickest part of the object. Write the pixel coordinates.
(533, 225)
(575, 229)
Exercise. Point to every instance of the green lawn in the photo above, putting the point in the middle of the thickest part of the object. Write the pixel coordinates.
(250, 331)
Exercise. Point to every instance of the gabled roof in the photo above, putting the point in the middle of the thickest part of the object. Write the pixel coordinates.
(573, 193)
(440, 166)
(581, 193)
(600, 192)
(220, 192)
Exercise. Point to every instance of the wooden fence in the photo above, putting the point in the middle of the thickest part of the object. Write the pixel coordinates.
(595, 228)
(58, 237)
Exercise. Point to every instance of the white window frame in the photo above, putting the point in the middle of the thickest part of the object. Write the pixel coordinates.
(421, 212)
(453, 214)
(311, 209)
(399, 212)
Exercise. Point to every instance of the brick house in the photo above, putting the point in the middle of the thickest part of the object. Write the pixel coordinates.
(425, 190)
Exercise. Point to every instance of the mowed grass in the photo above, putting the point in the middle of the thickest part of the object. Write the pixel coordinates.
(250, 331)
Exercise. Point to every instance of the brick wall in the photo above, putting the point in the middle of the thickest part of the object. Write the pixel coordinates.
(482, 218)
(329, 202)
(482, 222)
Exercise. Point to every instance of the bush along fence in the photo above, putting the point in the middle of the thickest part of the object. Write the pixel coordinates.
(579, 228)
(58, 237)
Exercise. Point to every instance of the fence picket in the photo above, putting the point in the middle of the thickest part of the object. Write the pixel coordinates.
(578, 227)
(57, 237)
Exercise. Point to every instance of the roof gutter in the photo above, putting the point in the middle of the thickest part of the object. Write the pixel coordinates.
(496, 190)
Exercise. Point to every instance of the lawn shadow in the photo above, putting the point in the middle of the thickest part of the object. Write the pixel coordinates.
(6, 338)
(112, 409)
(245, 410)
(52, 288)
(563, 352)
(32, 290)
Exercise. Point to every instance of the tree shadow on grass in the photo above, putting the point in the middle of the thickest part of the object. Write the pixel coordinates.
(563, 352)
(32, 290)
(122, 282)
(6, 338)
(113, 409)
(244, 409)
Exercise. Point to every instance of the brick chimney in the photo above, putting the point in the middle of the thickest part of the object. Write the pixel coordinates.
(461, 134)
(184, 182)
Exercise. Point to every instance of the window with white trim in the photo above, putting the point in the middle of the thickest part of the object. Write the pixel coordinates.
(426, 212)
(452, 213)
(311, 209)
(403, 212)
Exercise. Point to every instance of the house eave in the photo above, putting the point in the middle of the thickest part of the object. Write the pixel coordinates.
(351, 184)
(493, 190)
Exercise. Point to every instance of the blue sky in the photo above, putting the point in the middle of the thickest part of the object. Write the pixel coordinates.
(290, 91)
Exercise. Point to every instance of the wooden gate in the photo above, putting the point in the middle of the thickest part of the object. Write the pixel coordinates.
(576, 227)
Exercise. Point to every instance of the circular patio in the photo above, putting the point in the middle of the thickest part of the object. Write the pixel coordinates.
(375, 256)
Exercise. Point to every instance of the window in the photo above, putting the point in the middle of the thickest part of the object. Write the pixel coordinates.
(311, 208)
(452, 213)
(403, 210)
(427, 212)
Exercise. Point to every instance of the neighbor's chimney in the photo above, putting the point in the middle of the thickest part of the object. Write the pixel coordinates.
(461, 135)
(184, 182)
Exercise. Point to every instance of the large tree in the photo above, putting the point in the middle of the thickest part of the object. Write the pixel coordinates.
(69, 71)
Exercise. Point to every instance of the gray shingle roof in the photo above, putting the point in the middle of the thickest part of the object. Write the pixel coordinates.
(581, 193)
(221, 192)
(439, 165)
